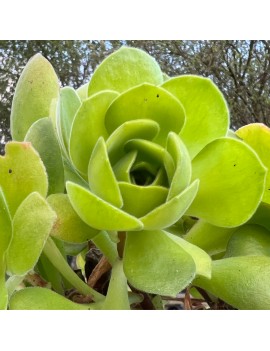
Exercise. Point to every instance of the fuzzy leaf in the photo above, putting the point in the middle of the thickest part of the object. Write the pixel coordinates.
(69, 226)
(147, 102)
(139, 200)
(202, 260)
(36, 298)
(32, 224)
(42, 136)
(5, 225)
(137, 129)
(180, 155)
(257, 135)
(250, 239)
(125, 68)
(117, 295)
(69, 103)
(36, 91)
(232, 179)
(98, 213)
(88, 127)
(156, 264)
(21, 173)
(101, 178)
(242, 282)
(170, 212)
(207, 114)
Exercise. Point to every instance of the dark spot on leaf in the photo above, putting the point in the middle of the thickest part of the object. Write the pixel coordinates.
(157, 95)
(234, 165)
(145, 100)
(268, 189)
(10, 171)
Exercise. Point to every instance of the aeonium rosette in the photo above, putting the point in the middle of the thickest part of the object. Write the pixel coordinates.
(141, 150)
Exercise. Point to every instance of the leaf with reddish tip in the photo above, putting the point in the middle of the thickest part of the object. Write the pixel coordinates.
(21, 173)
(69, 226)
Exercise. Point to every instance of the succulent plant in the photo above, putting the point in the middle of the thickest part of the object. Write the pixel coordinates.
(145, 167)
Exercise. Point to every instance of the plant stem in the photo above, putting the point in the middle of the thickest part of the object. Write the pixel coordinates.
(54, 255)
(106, 246)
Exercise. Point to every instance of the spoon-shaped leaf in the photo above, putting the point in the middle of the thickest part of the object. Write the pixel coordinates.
(154, 263)
(147, 102)
(257, 135)
(232, 179)
(21, 173)
(137, 129)
(203, 104)
(69, 103)
(250, 239)
(170, 212)
(124, 69)
(202, 260)
(36, 298)
(36, 92)
(139, 200)
(42, 136)
(32, 224)
(242, 282)
(98, 213)
(101, 178)
(69, 226)
(88, 127)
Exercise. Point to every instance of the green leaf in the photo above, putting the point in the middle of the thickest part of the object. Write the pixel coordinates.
(156, 264)
(69, 103)
(32, 224)
(117, 295)
(98, 213)
(88, 127)
(202, 260)
(232, 180)
(123, 167)
(68, 226)
(125, 68)
(36, 298)
(36, 92)
(242, 282)
(82, 91)
(262, 216)
(170, 212)
(137, 129)
(139, 200)
(257, 135)
(147, 102)
(207, 114)
(180, 155)
(42, 137)
(209, 237)
(21, 173)
(250, 239)
(3, 288)
(5, 225)
(101, 178)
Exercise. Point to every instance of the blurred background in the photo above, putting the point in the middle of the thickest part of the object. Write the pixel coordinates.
(240, 69)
